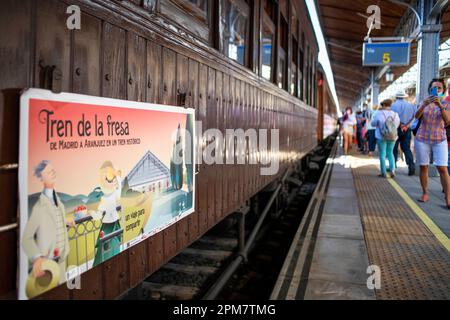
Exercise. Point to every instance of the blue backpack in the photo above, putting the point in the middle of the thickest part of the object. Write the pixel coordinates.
(389, 129)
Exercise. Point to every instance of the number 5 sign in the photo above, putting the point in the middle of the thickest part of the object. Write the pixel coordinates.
(386, 53)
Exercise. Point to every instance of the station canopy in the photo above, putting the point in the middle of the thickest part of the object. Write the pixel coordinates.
(344, 25)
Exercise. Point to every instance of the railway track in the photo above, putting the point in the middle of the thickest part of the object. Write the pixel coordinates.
(192, 273)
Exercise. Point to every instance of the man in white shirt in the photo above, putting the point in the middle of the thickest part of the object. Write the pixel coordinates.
(45, 234)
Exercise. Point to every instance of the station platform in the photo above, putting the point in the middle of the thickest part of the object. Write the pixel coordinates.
(365, 237)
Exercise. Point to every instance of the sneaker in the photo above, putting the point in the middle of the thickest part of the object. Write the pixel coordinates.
(392, 174)
(411, 172)
(382, 175)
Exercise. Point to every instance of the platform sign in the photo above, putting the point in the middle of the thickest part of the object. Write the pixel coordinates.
(386, 53)
(96, 176)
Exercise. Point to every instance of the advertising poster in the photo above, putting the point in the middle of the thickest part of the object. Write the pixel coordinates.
(96, 176)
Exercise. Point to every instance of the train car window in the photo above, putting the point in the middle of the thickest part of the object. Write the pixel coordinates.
(267, 39)
(270, 8)
(192, 15)
(294, 77)
(301, 69)
(197, 8)
(282, 53)
(314, 82)
(294, 54)
(234, 29)
(283, 7)
(307, 77)
(200, 4)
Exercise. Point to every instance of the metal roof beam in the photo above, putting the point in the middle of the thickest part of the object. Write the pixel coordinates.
(347, 80)
(439, 7)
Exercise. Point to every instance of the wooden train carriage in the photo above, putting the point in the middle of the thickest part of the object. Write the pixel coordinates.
(168, 52)
(327, 117)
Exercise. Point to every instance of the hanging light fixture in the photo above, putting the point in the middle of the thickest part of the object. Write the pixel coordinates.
(389, 76)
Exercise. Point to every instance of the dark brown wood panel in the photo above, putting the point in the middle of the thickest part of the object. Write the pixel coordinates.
(242, 101)
(155, 252)
(8, 190)
(219, 145)
(154, 72)
(251, 151)
(202, 177)
(114, 84)
(169, 58)
(8, 275)
(182, 77)
(15, 57)
(53, 41)
(91, 286)
(193, 84)
(259, 126)
(211, 124)
(137, 68)
(86, 74)
(182, 234)
(170, 242)
(236, 87)
(116, 275)
(224, 123)
(138, 263)
(246, 126)
(193, 219)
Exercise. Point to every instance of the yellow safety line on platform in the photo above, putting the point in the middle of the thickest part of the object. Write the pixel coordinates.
(437, 232)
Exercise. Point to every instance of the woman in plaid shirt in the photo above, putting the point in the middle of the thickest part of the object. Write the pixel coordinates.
(431, 137)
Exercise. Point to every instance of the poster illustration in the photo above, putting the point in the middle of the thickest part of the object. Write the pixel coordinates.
(96, 176)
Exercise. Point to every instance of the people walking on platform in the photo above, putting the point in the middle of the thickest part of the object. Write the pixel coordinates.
(349, 128)
(432, 137)
(406, 112)
(341, 128)
(371, 139)
(360, 123)
(386, 123)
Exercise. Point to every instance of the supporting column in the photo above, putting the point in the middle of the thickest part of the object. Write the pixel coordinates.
(427, 50)
(375, 89)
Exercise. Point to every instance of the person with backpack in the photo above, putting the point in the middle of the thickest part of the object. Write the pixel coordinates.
(432, 137)
(386, 123)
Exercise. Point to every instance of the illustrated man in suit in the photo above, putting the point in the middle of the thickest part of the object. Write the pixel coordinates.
(45, 235)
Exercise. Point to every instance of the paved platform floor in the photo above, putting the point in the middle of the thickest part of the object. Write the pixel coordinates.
(371, 221)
